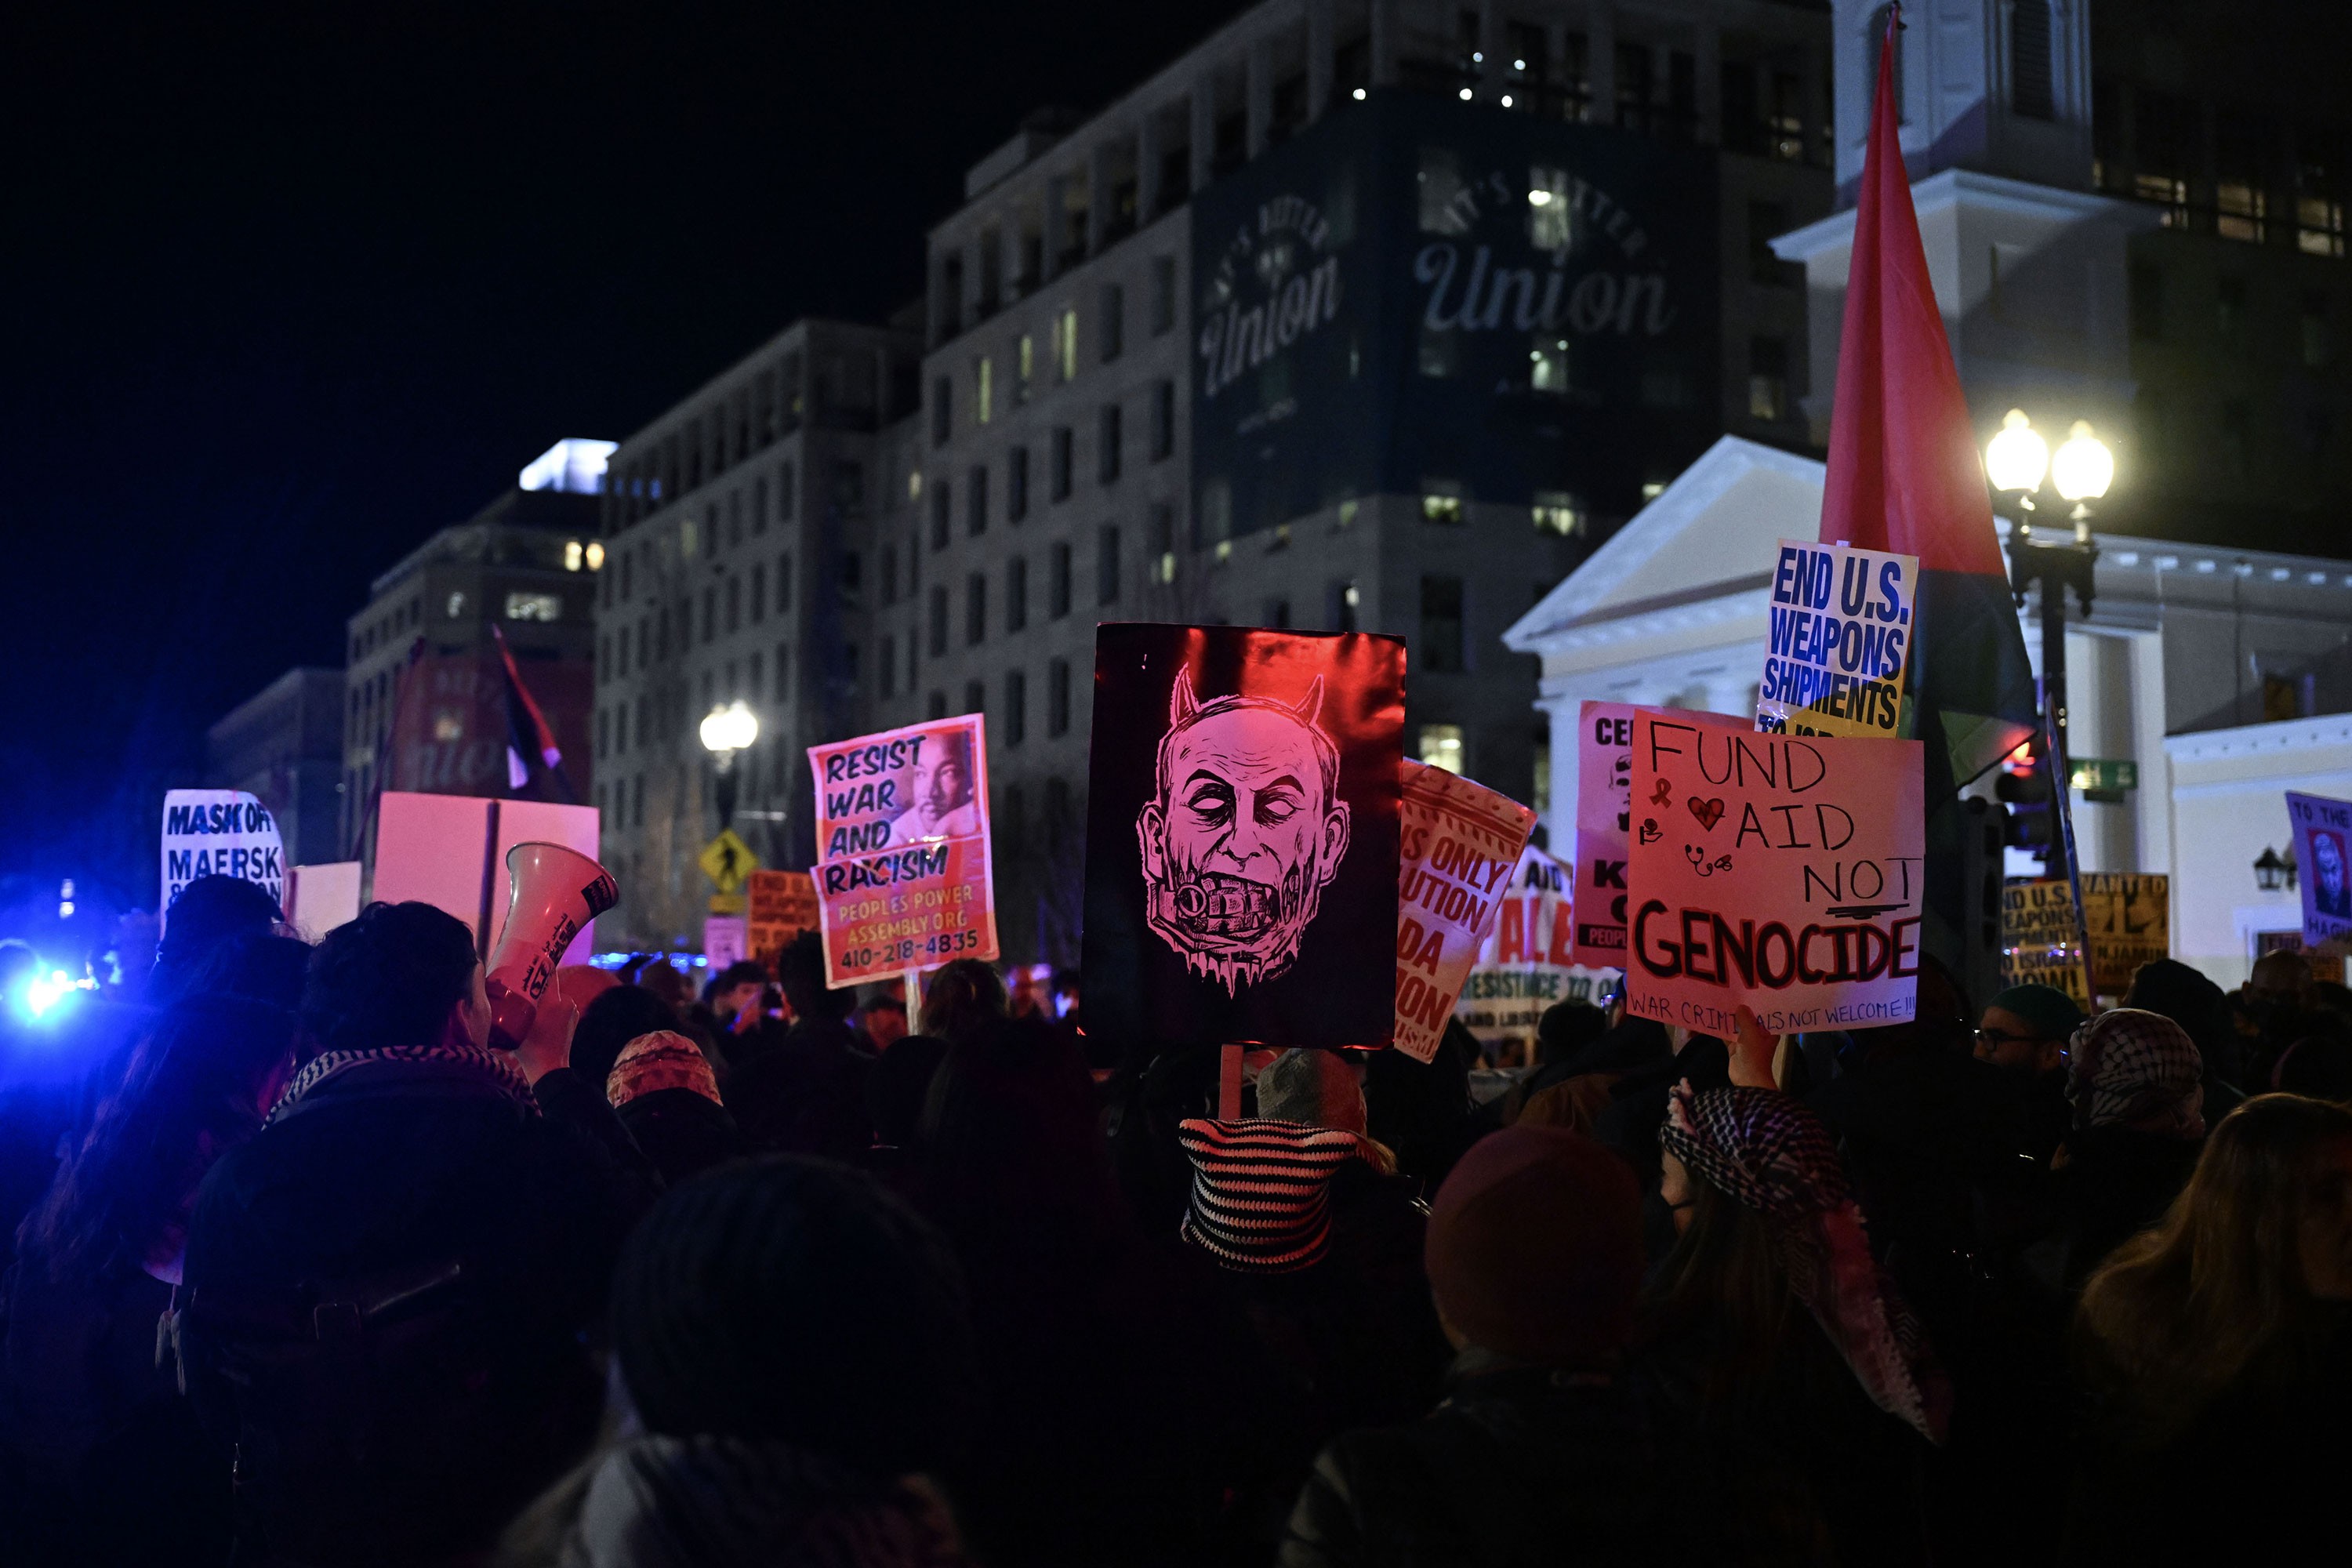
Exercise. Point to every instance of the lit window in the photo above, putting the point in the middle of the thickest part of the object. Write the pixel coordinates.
(1024, 366)
(1548, 364)
(2239, 211)
(1441, 509)
(1441, 746)
(1551, 216)
(595, 556)
(534, 607)
(1065, 343)
(1652, 489)
(1556, 511)
(984, 377)
(572, 555)
(456, 605)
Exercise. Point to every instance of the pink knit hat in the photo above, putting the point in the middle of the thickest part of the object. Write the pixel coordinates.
(660, 1060)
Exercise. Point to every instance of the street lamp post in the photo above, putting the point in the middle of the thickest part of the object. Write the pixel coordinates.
(726, 730)
(2016, 460)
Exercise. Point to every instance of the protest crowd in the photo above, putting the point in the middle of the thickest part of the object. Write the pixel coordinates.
(302, 1271)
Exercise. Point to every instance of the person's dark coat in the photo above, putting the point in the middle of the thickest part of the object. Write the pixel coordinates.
(2115, 1183)
(1520, 1467)
(806, 1094)
(681, 1133)
(460, 1248)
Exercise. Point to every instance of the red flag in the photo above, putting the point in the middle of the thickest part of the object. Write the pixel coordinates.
(1903, 473)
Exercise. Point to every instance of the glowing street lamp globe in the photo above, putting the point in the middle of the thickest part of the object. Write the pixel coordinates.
(2017, 457)
(2084, 468)
(728, 730)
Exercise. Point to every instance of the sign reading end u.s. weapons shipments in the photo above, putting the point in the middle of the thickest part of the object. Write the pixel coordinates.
(1458, 843)
(1779, 871)
(2323, 847)
(2039, 941)
(903, 874)
(220, 833)
(1839, 639)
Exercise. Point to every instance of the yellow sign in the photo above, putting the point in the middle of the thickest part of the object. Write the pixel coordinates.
(728, 861)
(2130, 917)
(2038, 939)
(726, 903)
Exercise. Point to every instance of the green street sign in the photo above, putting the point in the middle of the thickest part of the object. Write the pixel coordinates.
(2104, 774)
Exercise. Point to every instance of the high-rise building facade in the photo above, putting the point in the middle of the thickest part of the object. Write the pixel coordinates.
(1371, 316)
(284, 746)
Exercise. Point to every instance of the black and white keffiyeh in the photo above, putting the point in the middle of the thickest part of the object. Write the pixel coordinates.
(2130, 1067)
(497, 1069)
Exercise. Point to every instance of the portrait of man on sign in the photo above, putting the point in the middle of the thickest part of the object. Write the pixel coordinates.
(940, 801)
(2331, 879)
(1240, 837)
(1243, 833)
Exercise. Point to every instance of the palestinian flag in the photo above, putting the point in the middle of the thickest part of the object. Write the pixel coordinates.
(1903, 473)
(529, 735)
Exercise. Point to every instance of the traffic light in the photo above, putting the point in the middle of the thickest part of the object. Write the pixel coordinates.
(2023, 786)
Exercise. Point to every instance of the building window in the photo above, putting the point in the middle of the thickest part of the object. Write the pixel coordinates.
(890, 573)
(1163, 419)
(2228, 306)
(1162, 542)
(2146, 290)
(943, 401)
(942, 506)
(1766, 220)
(1016, 484)
(975, 697)
(976, 501)
(1114, 322)
(938, 706)
(759, 591)
(889, 660)
(1343, 606)
(787, 493)
(2237, 437)
(1440, 502)
(534, 607)
(983, 390)
(1066, 344)
(734, 603)
(1441, 747)
(709, 614)
(1024, 366)
(1768, 378)
(853, 572)
(1016, 706)
(784, 584)
(1108, 458)
(1057, 697)
(1057, 583)
(1107, 567)
(1059, 464)
(2317, 347)
(975, 610)
(939, 622)
(783, 674)
(759, 506)
(2028, 60)
(1163, 294)
(1441, 626)
(1016, 593)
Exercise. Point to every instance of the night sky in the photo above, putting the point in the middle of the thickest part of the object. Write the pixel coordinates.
(289, 288)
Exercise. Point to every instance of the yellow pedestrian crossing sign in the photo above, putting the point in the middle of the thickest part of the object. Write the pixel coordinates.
(728, 861)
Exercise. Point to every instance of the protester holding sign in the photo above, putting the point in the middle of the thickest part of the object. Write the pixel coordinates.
(1774, 872)
(1527, 964)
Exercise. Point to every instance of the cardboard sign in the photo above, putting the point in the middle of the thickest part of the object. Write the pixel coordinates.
(1839, 642)
(1527, 961)
(2322, 850)
(782, 905)
(1604, 783)
(722, 943)
(903, 874)
(1457, 843)
(220, 833)
(1779, 871)
(450, 851)
(320, 897)
(1241, 878)
(2038, 942)
(2130, 920)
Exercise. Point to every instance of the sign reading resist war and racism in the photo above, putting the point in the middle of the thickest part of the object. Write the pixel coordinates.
(1527, 961)
(2323, 848)
(1458, 843)
(2038, 942)
(1242, 837)
(220, 833)
(2130, 916)
(1778, 871)
(903, 876)
(1839, 639)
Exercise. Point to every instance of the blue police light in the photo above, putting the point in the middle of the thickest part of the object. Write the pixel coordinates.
(42, 995)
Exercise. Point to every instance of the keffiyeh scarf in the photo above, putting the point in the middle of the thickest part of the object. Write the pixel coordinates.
(1772, 1155)
(2130, 1068)
(497, 1069)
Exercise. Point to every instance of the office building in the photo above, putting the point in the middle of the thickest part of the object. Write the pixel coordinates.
(284, 746)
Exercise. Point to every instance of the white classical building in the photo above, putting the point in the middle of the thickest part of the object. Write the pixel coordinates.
(2226, 675)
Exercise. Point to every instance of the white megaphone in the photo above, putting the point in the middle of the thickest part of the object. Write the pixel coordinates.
(553, 893)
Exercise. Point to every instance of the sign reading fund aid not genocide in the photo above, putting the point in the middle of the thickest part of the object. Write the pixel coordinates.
(1458, 843)
(220, 833)
(2323, 847)
(1778, 871)
(1241, 880)
(1838, 641)
(903, 876)
(1604, 791)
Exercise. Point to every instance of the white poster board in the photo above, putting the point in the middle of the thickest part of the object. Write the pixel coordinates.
(220, 833)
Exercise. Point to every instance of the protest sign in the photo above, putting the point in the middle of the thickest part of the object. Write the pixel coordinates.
(1457, 843)
(2323, 847)
(723, 943)
(2130, 916)
(1604, 782)
(903, 874)
(782, 904)
(1774, 870)
(2037, 940)
(1527, 961)
(1839, 639)
(220, 833)
(1241, 880)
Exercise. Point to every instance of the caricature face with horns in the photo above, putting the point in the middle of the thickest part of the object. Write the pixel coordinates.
(1242, 831)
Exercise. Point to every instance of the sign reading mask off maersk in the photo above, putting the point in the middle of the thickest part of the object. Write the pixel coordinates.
(1418, 298)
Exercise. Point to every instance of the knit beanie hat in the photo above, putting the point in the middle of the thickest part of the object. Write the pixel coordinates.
(1534, 1248)
(1262, 1191)
(2051, 1010)
(660, 1060)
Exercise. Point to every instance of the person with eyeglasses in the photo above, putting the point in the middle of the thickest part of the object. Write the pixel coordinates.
(2024, 1032)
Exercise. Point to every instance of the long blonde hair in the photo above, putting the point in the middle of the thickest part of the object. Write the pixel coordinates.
(2217, 1289)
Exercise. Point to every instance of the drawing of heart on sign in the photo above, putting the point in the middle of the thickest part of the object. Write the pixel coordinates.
(1709, 812)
